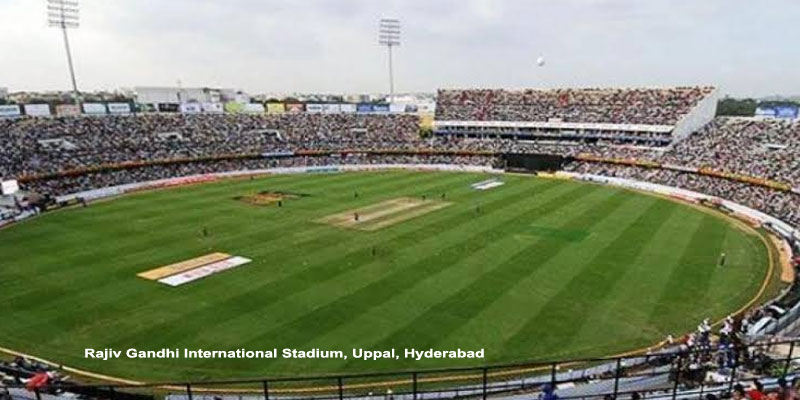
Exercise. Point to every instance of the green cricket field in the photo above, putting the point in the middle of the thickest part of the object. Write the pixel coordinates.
(530, 269)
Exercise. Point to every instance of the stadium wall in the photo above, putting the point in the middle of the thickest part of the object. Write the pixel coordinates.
(699, 116)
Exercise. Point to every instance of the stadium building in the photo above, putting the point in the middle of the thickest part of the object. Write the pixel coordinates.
(647, 248)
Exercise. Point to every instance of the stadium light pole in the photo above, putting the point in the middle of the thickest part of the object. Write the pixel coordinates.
(64, 14)
(389, 36)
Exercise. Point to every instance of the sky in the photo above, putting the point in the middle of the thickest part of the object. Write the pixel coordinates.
(744, 47)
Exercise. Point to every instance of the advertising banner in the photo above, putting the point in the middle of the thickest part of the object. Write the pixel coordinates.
(212, 107)
(9, 187)
(275, 108)
(765, 112)
(380, 108)
(191, 108)
(234, 107)
(254, 108)
(364, 108)
(330, 108)
(426, 107)
(63, 110)
(37, 110)
(94, 108)
(789, 112)
(315, 108)
(10, 111)
(167, 107)
(204, 271)
(348, 108)
(295, 107)
(145, 107)
(397, 108)
(119, 108)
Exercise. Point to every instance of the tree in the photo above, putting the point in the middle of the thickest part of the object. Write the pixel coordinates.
(730, 106)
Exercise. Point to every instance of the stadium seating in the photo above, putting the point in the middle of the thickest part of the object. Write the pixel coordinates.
(753, 162)
(617, 106)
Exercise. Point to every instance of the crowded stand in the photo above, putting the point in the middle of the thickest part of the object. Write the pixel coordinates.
(749, 161)
(765, 148)
(45, 145)
(616, 106)
(780, 204)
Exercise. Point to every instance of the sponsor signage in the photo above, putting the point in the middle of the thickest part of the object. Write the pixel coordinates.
(253, 108)
(212, 107)
(167, 107)
(331, 108)
(315, 108)
(397, 108)
(9, 187)
(119, 108)
(789, 112)
(348, 108)
(191, 108)
(94, 108)
(204, 271)
(9, 111)
(67, 110)
(275, 108)
(295, 107)
(426, 107)
(234, 107)
(364, 108)
(37, 110)
(778, 111)
(380, 108)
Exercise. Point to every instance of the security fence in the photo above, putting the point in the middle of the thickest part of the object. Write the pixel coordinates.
(676, 373)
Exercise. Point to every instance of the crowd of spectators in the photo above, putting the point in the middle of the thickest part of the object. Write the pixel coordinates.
(622, 106)
(47, 146)
(93, 180)
(764, 148)
(780, 204)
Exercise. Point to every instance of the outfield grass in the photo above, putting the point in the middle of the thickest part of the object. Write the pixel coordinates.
(533, 269)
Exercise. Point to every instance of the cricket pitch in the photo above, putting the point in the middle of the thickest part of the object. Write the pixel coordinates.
(383, 214)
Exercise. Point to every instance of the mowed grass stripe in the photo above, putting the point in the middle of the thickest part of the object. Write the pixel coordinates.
(192, 209)
(692, 276)
(321, 270)
(457, 309)
(82, 233)
(559, 320)
(175, 229)
(113, 294)
(93, 306)
(498, 322)
(84, 257)
(458, 247)
(463, 283)
(624, 316)
(358, 267)
(236, 308)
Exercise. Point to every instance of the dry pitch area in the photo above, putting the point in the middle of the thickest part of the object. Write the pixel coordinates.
(383, 214)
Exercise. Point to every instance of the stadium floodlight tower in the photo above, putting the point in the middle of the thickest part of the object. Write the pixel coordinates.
(64, 14)
(389, 36)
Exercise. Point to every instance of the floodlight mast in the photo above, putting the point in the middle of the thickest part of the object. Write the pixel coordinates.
(64, 14)
(389, 36)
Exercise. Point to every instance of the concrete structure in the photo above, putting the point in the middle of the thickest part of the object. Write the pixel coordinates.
(178, 95)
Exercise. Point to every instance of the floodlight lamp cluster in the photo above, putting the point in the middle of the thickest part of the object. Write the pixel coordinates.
(63, 13)
(389, 32)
